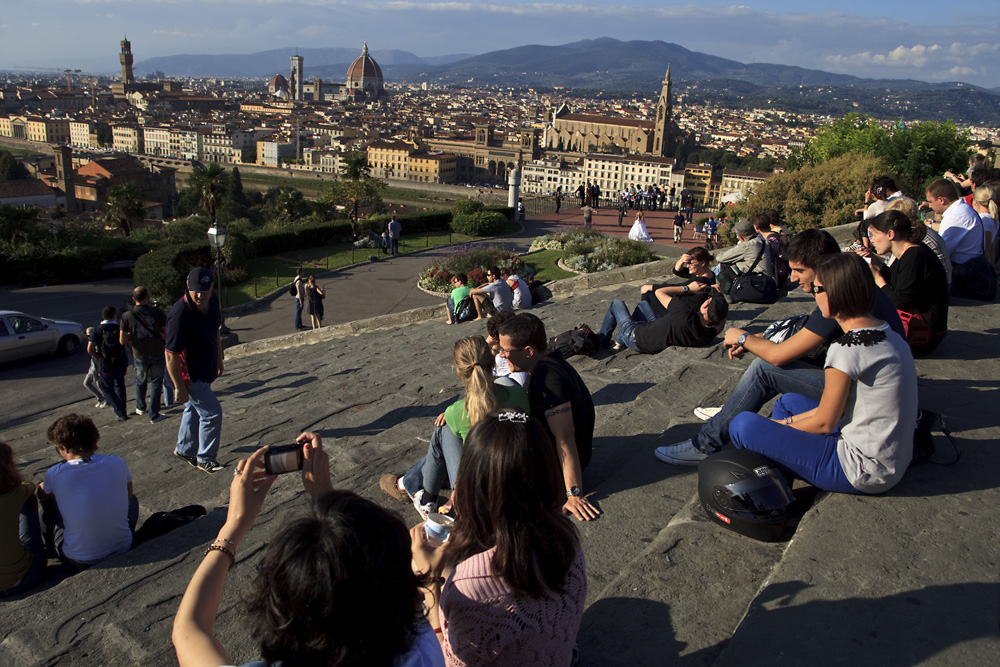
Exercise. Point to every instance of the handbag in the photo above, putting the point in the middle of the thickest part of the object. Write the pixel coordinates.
(918, 331)
(754, 287)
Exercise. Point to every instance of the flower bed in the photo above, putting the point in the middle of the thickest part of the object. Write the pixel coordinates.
(589, 251)
(472, 259)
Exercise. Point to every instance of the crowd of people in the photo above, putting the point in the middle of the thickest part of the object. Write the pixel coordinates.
(345, 582)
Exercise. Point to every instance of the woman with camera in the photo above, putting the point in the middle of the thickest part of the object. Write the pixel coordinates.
(334, 586)
(859, 437)
(508, 587)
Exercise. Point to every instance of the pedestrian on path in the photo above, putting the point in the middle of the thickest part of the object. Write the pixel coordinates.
(395, 231)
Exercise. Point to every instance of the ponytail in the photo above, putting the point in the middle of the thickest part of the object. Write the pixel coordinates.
(474, 363)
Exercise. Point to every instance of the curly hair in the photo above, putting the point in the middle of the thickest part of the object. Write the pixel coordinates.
(509, 495)
(474, 363)
(74, 433)
(10, 478)
(335, 587)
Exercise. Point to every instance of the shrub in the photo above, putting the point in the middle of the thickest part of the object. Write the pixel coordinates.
(558, 240)
(164, 272)
(472, 260)
(612, 253)
(238, 250)
(466, 207)
(484, 223)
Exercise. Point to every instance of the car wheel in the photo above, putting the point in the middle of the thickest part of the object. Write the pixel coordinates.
(69, 345)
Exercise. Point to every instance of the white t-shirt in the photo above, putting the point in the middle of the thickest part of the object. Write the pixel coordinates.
(92, 496)
(875, 444)
(962, 232)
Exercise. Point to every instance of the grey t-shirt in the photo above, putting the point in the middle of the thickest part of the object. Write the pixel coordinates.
(875, 444)
(503, 297)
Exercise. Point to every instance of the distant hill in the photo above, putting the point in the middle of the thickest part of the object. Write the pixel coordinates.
(633, 67)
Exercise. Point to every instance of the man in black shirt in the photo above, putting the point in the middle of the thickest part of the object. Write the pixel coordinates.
(559, 400)
(142, 331)
(691, 320)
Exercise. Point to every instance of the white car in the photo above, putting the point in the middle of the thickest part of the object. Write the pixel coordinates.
(23, 336)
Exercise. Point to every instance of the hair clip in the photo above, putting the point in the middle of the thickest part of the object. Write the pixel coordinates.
(514, 417)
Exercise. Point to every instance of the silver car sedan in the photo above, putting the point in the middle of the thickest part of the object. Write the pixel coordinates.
(23, 336)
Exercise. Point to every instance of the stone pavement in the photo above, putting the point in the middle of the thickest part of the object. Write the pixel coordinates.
(910, 577)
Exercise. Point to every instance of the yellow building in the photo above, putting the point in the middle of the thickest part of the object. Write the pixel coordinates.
(431, 167)
(698, 180)
(388, 159)
(48, 130)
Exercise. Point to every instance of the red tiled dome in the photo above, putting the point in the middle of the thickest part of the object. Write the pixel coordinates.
(363, 68)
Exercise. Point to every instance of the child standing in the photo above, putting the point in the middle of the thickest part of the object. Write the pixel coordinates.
(90, 382)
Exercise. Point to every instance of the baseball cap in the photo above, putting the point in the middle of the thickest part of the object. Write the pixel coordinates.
(200, 279)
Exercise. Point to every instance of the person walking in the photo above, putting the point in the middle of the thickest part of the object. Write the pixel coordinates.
(395, 231)
(142, 332)
(194, 360)
(558, 199)
(91, 381)
(106, 348)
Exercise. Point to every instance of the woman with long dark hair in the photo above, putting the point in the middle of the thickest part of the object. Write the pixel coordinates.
(509, 585)
(859, 437)
(22, 554)
(915, 282)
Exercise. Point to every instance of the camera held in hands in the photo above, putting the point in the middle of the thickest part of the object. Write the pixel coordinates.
(283, 458)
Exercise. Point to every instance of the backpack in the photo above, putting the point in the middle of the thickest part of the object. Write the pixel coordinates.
(293, 289)
(923, 438)
(580, 340)
(465, 311)
(780, 263)
(111, 348)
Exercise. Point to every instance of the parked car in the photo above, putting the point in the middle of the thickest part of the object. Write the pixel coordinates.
(23, 336)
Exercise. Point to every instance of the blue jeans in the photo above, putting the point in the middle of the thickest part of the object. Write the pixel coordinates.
(149, 371)
(201, 424)
(30, 532)
(394, 246)
(53, 527)
(643, 312)
(298, 313)
(619, 317)
(760, 383)
(451, 308)
(809, 456)
(442, 458)
(92, 382)
(112, 382)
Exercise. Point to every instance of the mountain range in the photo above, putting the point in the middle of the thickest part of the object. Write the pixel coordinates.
(624, 68)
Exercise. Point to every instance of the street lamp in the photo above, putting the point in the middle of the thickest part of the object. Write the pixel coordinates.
(217, 239)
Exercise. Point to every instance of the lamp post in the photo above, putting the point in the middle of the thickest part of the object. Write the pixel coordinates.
(217, 239)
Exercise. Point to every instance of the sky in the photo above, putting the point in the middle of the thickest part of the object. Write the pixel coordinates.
(917, 39)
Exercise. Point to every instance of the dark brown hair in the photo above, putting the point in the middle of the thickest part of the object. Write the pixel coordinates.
(74, 433)
(699, 254)
(509, 495)
(525, 329)
(850, 288)
(810, 246)
(942, 187)
(900, 224)
(10, 478)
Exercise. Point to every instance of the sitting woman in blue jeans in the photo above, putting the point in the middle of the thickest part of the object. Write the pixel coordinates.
(859, 437)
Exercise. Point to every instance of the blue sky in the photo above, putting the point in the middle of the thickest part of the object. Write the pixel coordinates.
(893, 39)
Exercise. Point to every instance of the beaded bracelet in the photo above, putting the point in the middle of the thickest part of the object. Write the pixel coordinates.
(228, 552)
(222, 539)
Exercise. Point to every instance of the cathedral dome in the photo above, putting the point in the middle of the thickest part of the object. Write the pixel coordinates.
(364, 74)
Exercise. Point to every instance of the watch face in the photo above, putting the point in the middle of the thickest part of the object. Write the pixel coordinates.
(573, 491)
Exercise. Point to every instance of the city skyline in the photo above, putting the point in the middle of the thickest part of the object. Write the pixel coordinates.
(887, 40)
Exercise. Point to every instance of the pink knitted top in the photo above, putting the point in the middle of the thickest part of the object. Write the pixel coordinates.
(485, 623)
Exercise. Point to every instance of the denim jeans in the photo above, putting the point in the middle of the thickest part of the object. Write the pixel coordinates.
(112, 382)
(643, 312)
(442, 458)
(201, 424)
(619, 317)
(91, 382)
(149, 371)
(809, 456)
(30, 533)
(760, 383)
(298, 313)
(451, 308)
(394, 246)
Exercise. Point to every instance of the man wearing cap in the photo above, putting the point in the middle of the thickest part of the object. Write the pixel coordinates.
(745, 252)
(194, 360)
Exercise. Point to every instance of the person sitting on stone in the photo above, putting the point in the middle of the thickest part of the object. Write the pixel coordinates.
(779, 367)
(965, 237)
(695, 265)
(882, 190)
(494, 290)
(519, 287)
(501, 369)
(459, 291)
(690, 320)
(88, 509)
(508, 587)
(743, 255)
(932, 239)
(22, 552)
(483, 394)
(335, 585)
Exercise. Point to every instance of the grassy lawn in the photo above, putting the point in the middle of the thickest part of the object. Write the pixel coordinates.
(546, 267)
(13, 150)
(310, 185)
(269, 273)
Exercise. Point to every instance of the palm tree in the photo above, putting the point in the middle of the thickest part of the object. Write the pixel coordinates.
(208, 182)
(124, 206)
(355, 166)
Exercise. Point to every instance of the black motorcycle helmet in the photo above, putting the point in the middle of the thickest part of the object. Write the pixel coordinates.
(742, 491)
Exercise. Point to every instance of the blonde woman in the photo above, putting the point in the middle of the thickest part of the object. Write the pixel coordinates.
(984, 201)
(474, 363)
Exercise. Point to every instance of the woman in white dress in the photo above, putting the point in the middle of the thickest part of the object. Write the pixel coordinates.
(638, 231)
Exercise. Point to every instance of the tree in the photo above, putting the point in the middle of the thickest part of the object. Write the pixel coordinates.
(124, 206)
(208, 183)
(236, 188)
(10, 168)
(355, 166)
(854, 133)
(367, 194)
(922, 152)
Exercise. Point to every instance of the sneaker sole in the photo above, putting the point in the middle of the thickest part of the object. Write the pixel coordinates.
(705, 414)
(210, 471)
(191, 461)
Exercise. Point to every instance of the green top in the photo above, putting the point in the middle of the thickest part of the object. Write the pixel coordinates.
(14, 558)
(458, 294)
(458, 421)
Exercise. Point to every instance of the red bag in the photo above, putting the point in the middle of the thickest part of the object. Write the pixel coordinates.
(918, 331)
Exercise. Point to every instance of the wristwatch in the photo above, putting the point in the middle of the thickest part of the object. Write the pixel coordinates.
(742, 339)
(574, 492)
(686, 289)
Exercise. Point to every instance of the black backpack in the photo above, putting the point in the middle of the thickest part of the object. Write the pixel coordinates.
(580, 340)
(110, 347)
(465, 311)
(780, 262)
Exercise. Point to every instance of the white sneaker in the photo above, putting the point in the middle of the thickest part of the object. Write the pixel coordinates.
(617, 347)
(100, 404)
(423, 508)
(681, 454)
(139, 412)
(705, 414)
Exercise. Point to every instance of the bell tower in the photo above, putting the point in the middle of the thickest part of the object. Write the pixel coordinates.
(126, 61)
(663, 139)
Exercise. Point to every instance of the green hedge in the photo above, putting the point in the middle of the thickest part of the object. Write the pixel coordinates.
(33, 264)
(484, 223)
(164, 272)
